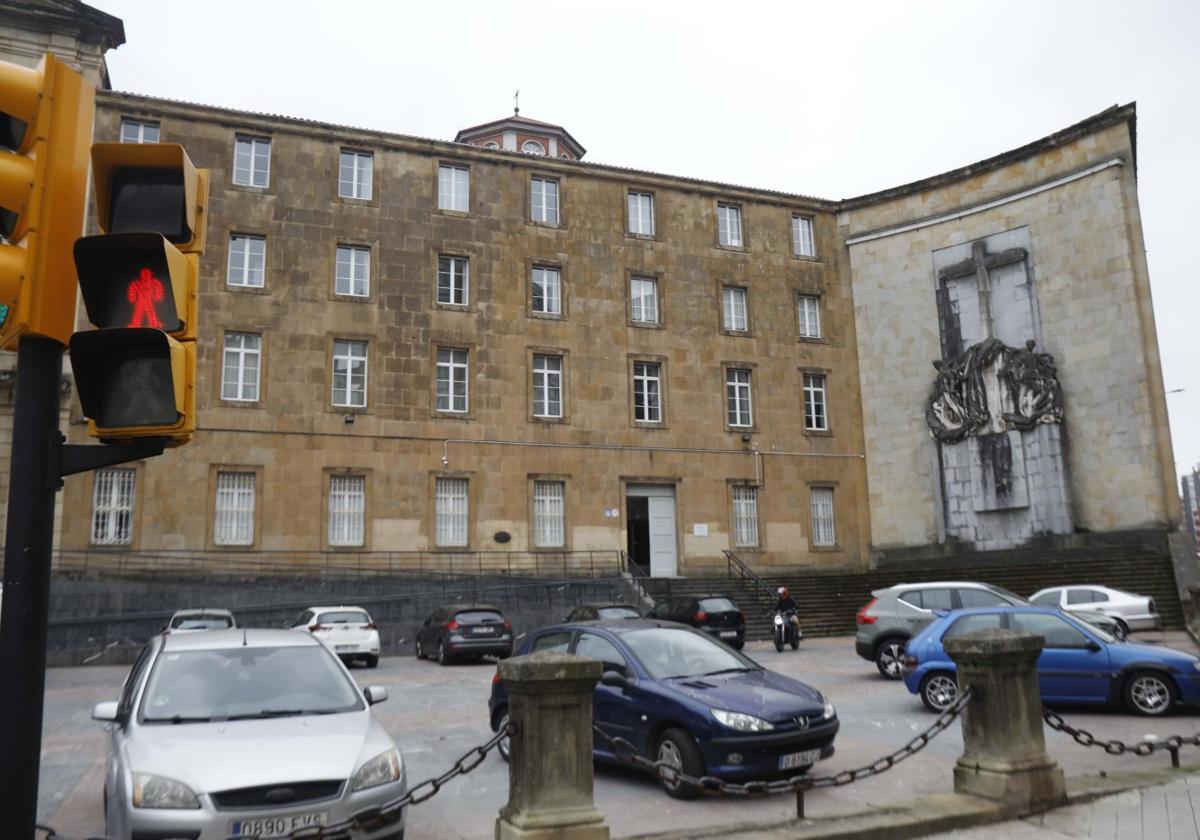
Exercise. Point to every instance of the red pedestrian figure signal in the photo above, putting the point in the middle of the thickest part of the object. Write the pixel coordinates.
(143, 293)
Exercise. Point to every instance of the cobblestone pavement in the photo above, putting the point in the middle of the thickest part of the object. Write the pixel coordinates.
(438, 713)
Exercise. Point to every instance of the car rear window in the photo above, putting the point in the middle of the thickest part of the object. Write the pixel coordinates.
(618, 612)
(1047, 599)
(478, 616)
(980, 598)
(717, 605)
(344, 617)
(205, 622)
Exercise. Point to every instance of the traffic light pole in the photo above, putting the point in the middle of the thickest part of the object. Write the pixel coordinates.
(26, 604)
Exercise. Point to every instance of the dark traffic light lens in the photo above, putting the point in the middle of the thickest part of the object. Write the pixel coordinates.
(149, 201)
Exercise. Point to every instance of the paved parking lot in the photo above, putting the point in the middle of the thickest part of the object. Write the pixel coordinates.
(438, 713)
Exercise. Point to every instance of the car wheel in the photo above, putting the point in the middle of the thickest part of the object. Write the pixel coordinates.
(442, 656)
(1150, 694)
(419, 650)
(939, 691)
(738, 645)
(372, 661)
(1122, 630)
(504, 745)
(889, 657)
(679, 751)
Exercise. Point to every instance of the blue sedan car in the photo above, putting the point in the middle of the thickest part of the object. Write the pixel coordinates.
(684, 698)
(1080, 663)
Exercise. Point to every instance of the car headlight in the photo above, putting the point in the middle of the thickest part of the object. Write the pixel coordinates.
(741, 722)
(160, 792)
(380, 770)
(829, 711)
(1196, 664)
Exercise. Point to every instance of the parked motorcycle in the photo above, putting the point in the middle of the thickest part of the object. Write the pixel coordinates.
(786, 631)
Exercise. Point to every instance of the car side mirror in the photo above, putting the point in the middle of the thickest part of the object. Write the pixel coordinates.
(106, 711)
(375, 694)
(1094, 647)
(614, 679)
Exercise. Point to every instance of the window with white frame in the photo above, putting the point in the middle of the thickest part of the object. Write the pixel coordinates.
(452, 285)
(549, 514)
(802, 237)
(546, 290)
(450, 512)
(533, 147)
(547, 386)
(543, 200)
(349, 374)
(647, 392)
(252, 162)
(824, 534)
(815, 417)
(641, 213)
(240, 367)
(643, 300)
(745, 515)
(247, 261)
(355, 174)
(353, 273)
(347, 509)
(137, 131)
(451, 379)
(737, 397)
(234, 509)
(454, 188)
(810, 316)
(729, 225)
(733, 308)
(112, 507)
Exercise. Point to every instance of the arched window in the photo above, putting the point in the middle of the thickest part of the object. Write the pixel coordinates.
(532, 147)
(491, 144)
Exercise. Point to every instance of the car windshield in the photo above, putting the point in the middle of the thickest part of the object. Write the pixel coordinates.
(478, 616)
(717, 605)
(618, 612)
(344, 617)
(207, 622)
(246, 682)
(666, 652)
(1097, 630)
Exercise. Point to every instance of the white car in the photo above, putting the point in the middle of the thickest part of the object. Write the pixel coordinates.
(1133, 612)
(245, 732)
(347, 631)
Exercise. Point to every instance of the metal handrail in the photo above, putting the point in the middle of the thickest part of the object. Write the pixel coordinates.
(733, 562)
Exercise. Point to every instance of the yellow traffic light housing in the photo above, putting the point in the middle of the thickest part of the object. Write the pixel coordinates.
(45, 129)
(151, 187)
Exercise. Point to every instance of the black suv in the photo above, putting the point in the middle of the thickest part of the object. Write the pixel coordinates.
(716, 615)
(462, 630)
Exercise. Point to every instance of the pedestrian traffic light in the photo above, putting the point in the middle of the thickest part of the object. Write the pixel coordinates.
(136, 373)
(45, 130)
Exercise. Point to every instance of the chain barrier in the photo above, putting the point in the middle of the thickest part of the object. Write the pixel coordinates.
(1115, 746)
(49, 833)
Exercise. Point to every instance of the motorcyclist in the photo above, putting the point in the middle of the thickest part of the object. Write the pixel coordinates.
(787, 604)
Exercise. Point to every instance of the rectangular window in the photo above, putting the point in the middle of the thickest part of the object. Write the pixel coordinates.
(815, 418)
(729, 225)
(240, 367)
(643, 303)
(547, 290)
(353, 273)
(450, 512)
(252, 162)
(350, 374)
(647, 392)
(247, 261)
(135, 131)
(548, 514)
(802, 237)
(737, 397)
(355, 174)
(451, 380)
(641, 213)
(823, 533)
(452, 286)
(347, 509)
(733, 308)
(810, 316)
(112, 507)
(454, 188)
(543, 200)
(547, 386)
(745, 515)
(234, 523)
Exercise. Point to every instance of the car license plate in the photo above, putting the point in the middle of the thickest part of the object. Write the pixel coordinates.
(277, 826)
(345, 647)
(800, 759)
(728, 634)
(485, 630)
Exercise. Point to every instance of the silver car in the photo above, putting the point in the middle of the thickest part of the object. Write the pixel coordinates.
(1132, 612)
(244, 732)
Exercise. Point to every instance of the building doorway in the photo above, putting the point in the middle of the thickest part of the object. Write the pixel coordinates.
(650, 525)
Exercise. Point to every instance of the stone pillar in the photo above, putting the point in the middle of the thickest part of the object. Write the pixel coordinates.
(550, 760)
(1004, 746)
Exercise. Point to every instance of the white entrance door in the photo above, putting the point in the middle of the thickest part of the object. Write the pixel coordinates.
(663, 559)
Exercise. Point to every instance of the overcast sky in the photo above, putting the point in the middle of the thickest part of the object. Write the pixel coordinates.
(829, 99)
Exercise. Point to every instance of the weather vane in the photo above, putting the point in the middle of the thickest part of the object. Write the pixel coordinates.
(516, 98)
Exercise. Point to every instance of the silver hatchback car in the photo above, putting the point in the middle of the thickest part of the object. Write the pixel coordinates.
(227, 733)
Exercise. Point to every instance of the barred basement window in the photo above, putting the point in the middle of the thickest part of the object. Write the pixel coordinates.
(347, 509)
(548, 514)
(823, 533)
(454, 188)
(355, 175)
(810, 316)
(745, 515)
(112, 507)
(450, 512)
(247, 258)
(234, 523)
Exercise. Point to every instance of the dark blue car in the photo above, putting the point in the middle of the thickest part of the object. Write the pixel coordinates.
(1079, 663)
(684, 698)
